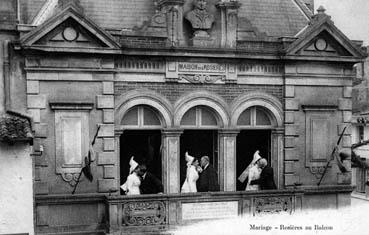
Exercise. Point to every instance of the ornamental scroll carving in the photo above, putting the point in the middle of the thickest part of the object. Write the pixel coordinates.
(317, 171)
(144, 213)
(71, 178)
(201, 78)
(272, 205)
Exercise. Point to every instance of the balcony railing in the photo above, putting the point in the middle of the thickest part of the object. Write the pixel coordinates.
(163, 212)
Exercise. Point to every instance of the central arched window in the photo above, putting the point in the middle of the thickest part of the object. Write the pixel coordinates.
(255, 116)
(141, 116)
(199, 117)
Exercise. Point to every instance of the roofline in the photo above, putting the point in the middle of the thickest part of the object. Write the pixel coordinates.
(315, 27)
(36, 33)
(304, 9)
(188, 52)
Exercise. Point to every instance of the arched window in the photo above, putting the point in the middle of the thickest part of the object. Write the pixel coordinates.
(199, 116)
(141, 116)
(255, 116)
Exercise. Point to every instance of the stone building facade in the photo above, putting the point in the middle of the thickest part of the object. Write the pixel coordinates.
(16, 160)
(161, 77)
(360, 130)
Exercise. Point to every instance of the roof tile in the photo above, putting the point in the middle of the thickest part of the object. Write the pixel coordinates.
(273, 17)
(15, 127)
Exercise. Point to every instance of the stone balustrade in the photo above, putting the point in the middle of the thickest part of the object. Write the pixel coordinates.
(164, 212)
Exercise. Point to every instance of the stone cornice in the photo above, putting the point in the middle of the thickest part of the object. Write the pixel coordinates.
(71, 105)
(188, 52)
(170, 2)
(232, 4)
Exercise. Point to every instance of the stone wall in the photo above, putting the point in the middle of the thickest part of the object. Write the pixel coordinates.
(16, 195)
(174, 91)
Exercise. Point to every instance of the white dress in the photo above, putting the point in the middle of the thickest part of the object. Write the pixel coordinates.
(189, 186)
(132, 185)
(254, 174)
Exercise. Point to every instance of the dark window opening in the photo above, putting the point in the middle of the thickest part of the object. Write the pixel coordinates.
(198, 143)
(248, 141)
(361, 133)
(145, 146)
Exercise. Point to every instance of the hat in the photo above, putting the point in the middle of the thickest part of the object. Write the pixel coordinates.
(189, 159)
(133, 164)
(256, 157)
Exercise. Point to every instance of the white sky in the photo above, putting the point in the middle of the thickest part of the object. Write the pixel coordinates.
(350, 16)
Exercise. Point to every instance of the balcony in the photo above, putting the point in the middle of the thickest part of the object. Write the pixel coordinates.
(147, 213)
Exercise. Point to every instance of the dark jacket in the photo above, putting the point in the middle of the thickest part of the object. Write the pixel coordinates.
(151, 185)
(208, 180)
(266, 180)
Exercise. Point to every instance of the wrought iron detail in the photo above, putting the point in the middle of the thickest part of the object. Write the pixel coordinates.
(144, 213)
(272, 205)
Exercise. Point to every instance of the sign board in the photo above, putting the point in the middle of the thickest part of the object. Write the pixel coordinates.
(201, 67)
(209, 210)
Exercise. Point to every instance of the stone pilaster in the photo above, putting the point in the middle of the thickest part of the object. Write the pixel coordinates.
(35, 103)
(277, 156)
(171, 160)
(345, 106)
(107, 158)
(174, 14)
(288, 166)
(227, 159)
(229, 19)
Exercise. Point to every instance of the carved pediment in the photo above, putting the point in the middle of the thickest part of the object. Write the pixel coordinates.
(322, 38)
(69, 29)
(324, 45)
(70, 34)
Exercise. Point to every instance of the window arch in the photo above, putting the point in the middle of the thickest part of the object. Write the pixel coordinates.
(141, 116)
(256, 117)
(199, 117)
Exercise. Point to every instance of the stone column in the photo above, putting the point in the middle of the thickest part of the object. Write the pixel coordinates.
(277, 158)
(229, 18)
(227, 159)
(171, 160)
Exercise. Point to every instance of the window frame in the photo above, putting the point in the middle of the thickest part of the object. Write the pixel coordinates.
(198, 119)
(253, 118)
(140, 119)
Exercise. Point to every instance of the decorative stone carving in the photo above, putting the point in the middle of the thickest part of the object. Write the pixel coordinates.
(267, 205)
(317, 171)
(144, 213)
(229, 22)
(201, 21)
(71, 178)
(172, 10)
(202, 78)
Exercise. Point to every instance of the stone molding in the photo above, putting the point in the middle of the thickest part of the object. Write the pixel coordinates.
(202, 78)
(172, 132)
(229, 21)
(250, 99)
(162, 3)
(144, 97)
(71, 105)
(214, 102)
